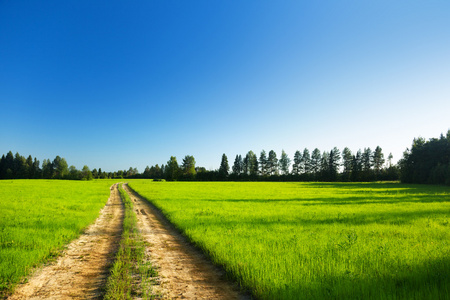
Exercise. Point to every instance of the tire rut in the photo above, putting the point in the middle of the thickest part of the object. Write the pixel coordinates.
(185, 273)
(82, 271)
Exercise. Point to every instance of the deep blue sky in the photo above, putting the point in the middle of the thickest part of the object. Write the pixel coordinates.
(114, 84)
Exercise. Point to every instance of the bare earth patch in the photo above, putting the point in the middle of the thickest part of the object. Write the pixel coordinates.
(82, 271)
(184, 271)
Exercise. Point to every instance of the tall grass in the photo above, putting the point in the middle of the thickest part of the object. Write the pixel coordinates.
(38, 217)
(131, 275)
(318, 240)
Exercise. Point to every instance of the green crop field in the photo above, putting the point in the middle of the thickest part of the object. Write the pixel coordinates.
(38, 217)
(317, 240)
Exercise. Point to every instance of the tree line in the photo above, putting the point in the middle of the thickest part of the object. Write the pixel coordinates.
(18, 167)
(427, 161)
(330, 165)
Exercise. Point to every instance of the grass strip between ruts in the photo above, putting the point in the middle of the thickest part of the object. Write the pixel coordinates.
(132, 274)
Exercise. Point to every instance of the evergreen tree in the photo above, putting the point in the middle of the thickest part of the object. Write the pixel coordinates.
(224, 167)
(325, 166)
(9, 165)
(389, 161)
(427, 161)
(285, 162)
(306, 162)
(367, 164)
(252, 164)
(20, 167)
(272, 163)
(316, 159)
(36, 169)
(334, 164)
(357, 166)
(263, 163)
(163, 171)
(30, 170)
(245, 164)
(147, 173)
(347, 163)
(237, 165)
(297, 162)
(158, 173)
(47, 169)
(2, 167)
(378, 160)
(367, 161)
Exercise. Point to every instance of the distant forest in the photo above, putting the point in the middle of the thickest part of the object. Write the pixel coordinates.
(426, 162)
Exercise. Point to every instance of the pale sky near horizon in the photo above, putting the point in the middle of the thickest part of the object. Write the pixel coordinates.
(119, 84)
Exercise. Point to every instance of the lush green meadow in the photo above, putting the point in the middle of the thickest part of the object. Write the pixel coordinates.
(317, 240)
(38, 217)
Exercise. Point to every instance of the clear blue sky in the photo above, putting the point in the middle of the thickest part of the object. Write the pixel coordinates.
(119, 84)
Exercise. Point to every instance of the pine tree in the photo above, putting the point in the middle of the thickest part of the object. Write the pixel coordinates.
(224, 167)
(325, 166)
(2, 167)
(357, 166)
(272, 163)
(263, 163)
(334, 163)
(306, 162)
(245, 164)
(29, 167)
(347, 163)
(252, 164)
(297, 162)
(285, 162)
(9, 165)
(237, 165)
(378, 160)
(316, 159)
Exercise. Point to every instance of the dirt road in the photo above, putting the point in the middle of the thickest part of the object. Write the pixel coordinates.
(81, 272)
(184, 271)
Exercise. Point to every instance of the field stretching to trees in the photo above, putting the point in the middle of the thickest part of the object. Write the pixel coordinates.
(278, 240)
(425, 162)
(317, 240)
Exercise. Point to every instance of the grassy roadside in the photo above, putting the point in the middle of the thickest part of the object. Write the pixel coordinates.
(38, 218)
(132, 274)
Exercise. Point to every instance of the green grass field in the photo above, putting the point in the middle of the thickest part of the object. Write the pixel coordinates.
(38, 217)
(317, 240)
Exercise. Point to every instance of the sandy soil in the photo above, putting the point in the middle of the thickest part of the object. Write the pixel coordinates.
(81, 272)
(184, 271)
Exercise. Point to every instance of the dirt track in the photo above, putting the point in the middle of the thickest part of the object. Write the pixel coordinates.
(81, 272)
(184, 272)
